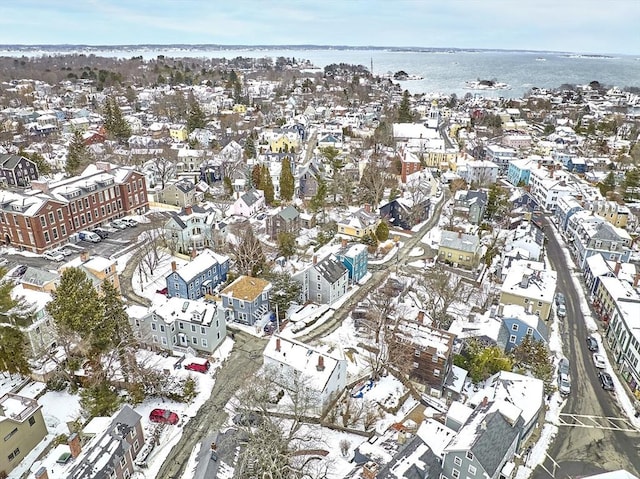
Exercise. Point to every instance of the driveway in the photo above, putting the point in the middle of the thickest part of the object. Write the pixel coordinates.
(580, 451)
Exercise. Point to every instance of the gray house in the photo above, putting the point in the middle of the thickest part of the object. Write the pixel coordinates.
(286, 220)
(246, 300)
(16, 170)
(323, 282)
(180, 324)
(485, 443)
(470, 204)
(181, 193)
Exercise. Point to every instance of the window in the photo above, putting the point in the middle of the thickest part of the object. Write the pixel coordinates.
(51, 218)
(457, 461)
(202, 330)
(136, 445)
(512, 339)
(153, 326)
(539, 303)
(514, 327)
(472, 470)
(55, 233)
(14, 454)
(8, 436)
(164, 340)
(416, 365)
(43, 221)
(436, 373)
(32, 421)
(416, 353)
(455, 473)
(204, 342)
(59, 214)
(470, 455)
(162, 328)
(194, 340)
(123, 463)
(434, 358)
(529, 331)
(46, 236)
(193, 328)
(181, 325)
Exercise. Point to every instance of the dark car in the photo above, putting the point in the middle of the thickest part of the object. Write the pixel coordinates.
(559, 299)
(606, 381)
(102, 233)
(19, 271)
(592, 344)
(164, 416)
(164, 291)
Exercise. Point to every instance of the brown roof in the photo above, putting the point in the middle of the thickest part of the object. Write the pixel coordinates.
(246, 288)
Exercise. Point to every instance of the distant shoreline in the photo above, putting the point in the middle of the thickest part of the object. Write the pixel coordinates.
(219, 47)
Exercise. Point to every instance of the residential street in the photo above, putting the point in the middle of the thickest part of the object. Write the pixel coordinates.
(580, 451)
(244, 361)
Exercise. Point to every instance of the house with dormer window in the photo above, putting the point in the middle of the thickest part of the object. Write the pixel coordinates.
(246, 300)
(530, 285)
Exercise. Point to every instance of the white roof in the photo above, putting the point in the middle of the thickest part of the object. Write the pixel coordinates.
(205, 260)
(540, 286)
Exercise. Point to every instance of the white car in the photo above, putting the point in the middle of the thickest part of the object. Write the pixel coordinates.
(3, 261)
(598, 360)
(562, 311)
(119, 225)
(53, 256)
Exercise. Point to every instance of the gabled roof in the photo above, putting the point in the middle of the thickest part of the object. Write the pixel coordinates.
(246, 288)
(289, 213)
(10, 161)
(459, 241)
(38, 277)
(250, 197)
(331, 269)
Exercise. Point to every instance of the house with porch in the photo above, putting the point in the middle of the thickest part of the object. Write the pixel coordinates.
(459, 249)
(324, 281)
(199, 277)
(246, 300)
(623, 338)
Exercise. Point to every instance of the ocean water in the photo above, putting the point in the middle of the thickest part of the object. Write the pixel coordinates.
(443, 71)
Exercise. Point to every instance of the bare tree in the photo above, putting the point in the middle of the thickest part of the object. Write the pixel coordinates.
(164, 170)
(151, 252)
(375, 179)
(247, 252)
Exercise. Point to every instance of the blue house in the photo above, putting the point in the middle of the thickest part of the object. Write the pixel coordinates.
(246, 300)
(517, 324)
(356, 259)
(577, 165)
(566, 207)
(519, 171)
(199, 277)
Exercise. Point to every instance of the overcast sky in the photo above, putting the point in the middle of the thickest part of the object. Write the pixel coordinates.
(583, 26)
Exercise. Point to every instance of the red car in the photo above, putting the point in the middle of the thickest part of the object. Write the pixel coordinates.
(198, 364)
(164, 416)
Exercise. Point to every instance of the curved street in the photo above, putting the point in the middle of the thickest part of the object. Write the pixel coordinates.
(580, 451)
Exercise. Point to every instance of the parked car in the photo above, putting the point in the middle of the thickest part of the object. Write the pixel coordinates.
(164, 416)
(129, 222)
(3, 261)
(53, 256)
(200, 365)
(592, 344)
(605, 380)
(119, 225)
(598, 361)
(102, 233)
(559, 299)
(19, 271)
(65, 251)
(564, 384)
(164, 291)
(561, 311)
(563, 366)
(89, 236)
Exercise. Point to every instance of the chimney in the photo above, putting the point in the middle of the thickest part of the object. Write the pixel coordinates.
(320, 366)
(636, 280)
(551, 173)
(367, 208)
(103, 165)
(74, 445)
(40, 185)
(616, 269)
(370, 470)
(42, 473)
(173, 266)
(315, 259)
(420, 316)
(485, 401)
(188, 210)
(344, 242)
(84, 256)
(459, 234)
(278, 344)
(194, 253)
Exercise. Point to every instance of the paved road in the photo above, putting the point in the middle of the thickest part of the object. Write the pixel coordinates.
(242, 364)
(583, 451)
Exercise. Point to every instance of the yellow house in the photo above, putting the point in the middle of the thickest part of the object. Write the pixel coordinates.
(283, 143)
(459, 249)
(21, 426)
(608, 292)
(97, 268)
(240, 108)
(178, 133)
(359, 224)
(530, 285)
(612, 212)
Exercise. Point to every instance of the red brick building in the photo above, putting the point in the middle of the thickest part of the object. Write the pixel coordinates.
(50, 213)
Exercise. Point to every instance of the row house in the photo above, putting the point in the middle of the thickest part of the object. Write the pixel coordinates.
(547, 187)
(519, 171)
(565, 208)
(50, 213)
(530, 285)
(623, 337)
(501, 156)
(609, 290)
(181, 325)
(590, 235)
(323, 282)
(614, 213)
(199, 277)
(16, 170)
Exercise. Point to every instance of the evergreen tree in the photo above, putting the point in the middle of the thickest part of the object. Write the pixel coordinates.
(75, 307)
(78, 154)
(608, 184)
(44, 168)
(228, 186)
(195, 115)
(287, 182)
(13, 311)
(114, 122)
(382, 231)
(99, 400)
(497, 202)
(266, 184)
(286, 244)
(285, 292)
(13, 354)
(319, 200)
(631, 183)
(404, 111)
(256, 176)
(115, 330)
(250, 147)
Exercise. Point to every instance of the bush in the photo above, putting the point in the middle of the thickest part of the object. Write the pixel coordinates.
(57, 383)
